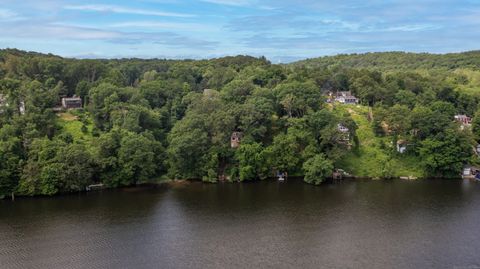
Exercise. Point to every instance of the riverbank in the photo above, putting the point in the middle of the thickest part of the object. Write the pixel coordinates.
(183, 183)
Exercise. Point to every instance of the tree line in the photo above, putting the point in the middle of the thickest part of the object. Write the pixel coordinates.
(148, 120)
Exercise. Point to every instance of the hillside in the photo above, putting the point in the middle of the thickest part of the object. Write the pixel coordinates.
(391, 61)
(67, 123)
(376, 157)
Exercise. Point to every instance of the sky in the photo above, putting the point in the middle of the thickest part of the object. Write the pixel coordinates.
(281, 30)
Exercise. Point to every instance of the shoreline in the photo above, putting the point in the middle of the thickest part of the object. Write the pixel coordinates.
(180, 183)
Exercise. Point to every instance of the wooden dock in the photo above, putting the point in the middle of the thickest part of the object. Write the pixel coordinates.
(94, 187)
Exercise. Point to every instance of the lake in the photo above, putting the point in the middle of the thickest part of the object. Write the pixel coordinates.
(352, 224)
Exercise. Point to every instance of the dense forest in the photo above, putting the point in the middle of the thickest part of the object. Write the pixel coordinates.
(398, 61)
(145, 121)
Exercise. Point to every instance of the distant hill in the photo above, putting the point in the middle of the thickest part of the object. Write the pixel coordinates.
(386, 61)
(382, 61)
(237, 60)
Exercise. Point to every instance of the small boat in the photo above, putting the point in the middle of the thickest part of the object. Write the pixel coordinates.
(281, 176)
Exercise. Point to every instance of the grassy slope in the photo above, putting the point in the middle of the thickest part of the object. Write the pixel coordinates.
(370, 159)
(72, 125)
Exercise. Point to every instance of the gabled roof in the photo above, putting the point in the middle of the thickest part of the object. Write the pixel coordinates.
(74, 98)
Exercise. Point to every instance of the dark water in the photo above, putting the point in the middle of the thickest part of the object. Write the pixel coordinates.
(370, 224)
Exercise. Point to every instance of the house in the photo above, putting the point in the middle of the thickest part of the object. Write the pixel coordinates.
(21, 108)
(402, 146)
(342, 128)
(235, 139)
(72, 102)
(346, 97)
(463, 119)
(344, 131)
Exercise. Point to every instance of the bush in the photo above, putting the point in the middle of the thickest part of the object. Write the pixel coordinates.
(317, 169)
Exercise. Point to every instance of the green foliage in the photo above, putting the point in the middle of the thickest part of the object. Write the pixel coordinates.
(476, 125)
(252, 161)
(56, 166)
(127, 158)
(211, 166)
(139, 157)
(298, 98)
(317, 169)
(10, 160)
(187, 147)
(406, 98)
(237, 91)
(285, 153)
(397, 61)
(375, 156)
(445, 154)
(146, 119)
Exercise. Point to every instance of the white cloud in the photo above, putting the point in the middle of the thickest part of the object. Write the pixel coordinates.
(241, 3)
(229, 2)
(162, 25)
(8, 15)
(5, 13)
(54, 31)
(62, 32)
(411, 28)
(125, 10)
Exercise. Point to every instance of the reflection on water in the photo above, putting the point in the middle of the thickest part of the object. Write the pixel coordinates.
(362, 224)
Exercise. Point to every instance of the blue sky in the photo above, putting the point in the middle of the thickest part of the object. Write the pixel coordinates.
(281, 30)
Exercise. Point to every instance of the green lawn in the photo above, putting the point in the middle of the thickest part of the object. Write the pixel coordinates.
(371, 159)
(70, 123)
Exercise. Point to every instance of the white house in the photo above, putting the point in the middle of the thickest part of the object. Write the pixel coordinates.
(402, 146)
(346, 98)
(345, 132)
